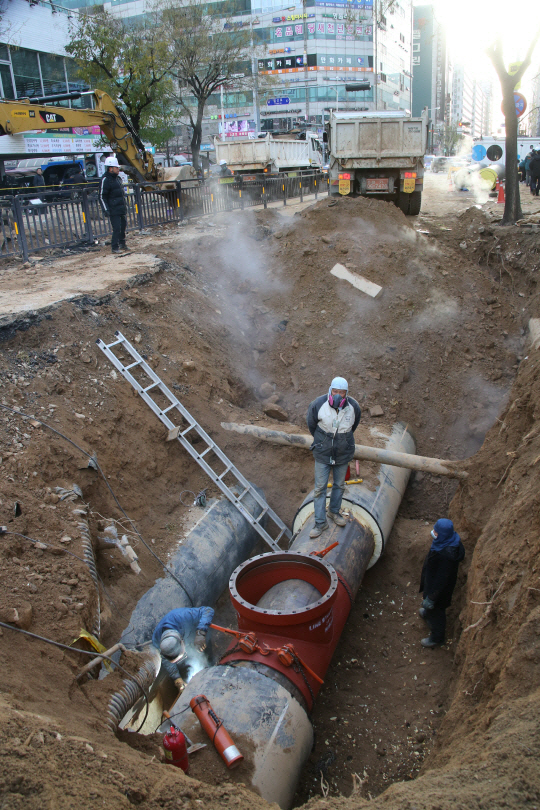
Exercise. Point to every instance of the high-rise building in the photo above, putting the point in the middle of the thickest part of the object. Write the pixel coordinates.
(534, 116)
(432, 72)
(310, 49)
(470, 106)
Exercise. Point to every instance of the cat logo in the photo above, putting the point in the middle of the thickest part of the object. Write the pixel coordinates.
(51, 118)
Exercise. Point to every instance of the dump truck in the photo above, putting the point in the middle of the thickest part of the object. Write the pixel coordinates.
(270, 155)
(378, 153)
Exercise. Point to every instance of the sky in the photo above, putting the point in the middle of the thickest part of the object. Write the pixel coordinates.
(471, 25)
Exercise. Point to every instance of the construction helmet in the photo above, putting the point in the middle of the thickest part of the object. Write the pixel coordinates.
(172, 646)
(111, 161)
(222, 162)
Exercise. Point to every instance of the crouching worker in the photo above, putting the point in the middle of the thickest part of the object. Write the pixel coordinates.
(438, 580)
(179, 636)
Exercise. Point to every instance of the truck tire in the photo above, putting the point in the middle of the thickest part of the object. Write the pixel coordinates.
(410, 203)
(415, 203)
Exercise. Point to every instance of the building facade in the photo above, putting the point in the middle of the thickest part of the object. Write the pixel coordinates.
(471, 107)
(310, 50)
(432, 71)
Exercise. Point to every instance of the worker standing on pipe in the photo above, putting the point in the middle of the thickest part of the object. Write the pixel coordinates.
(332, 420)
(180, 629)
(439, 574)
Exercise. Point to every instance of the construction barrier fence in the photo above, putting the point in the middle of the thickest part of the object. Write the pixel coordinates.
(63, 219)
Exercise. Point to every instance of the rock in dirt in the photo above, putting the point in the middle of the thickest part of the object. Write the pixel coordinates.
(189, 365)
(376, 410)
(20, 615)
(275, 412)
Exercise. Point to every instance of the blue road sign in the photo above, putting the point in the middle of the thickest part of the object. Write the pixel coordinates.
(273, 102)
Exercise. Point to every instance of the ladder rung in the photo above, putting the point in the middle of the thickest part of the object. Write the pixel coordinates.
(150, 387)
(225, 471)
(245, 492)
(132, 365)
(169, 408)
(183, 433)
(261, 515)
(202, 455)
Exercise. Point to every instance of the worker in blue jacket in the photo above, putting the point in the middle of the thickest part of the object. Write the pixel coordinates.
(180, 629)
(438, 580)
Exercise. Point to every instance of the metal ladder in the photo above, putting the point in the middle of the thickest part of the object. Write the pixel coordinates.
(177, 432)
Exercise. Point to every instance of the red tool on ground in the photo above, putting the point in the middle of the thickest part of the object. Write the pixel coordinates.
(213, 726)
(174, 743)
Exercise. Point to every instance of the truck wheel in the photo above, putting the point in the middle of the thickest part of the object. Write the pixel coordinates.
(403, 201)
(414, 203)
(410, 203)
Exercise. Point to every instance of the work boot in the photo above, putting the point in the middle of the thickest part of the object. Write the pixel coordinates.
(428, 642)
(422, 613)
(115, 250)
(180, 685)
(338, 519)
(318, 529)
(123, 247)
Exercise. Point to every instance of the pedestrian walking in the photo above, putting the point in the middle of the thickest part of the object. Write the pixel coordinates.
(332, 420)
(113, 201)
(179, 636)
(534, 168)
(438, 580)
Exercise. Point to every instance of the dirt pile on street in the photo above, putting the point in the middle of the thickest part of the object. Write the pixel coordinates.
(235, 317)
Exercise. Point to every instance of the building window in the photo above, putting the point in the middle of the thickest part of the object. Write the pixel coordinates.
(7, 83)
(53, 74)
(26, 72)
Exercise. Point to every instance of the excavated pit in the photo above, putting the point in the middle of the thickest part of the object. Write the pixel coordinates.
(239, 314)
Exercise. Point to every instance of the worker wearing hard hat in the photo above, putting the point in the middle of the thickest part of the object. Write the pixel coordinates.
(438, 580)
(332, 420)
(179, 636)
(224, 170)
(113, 201)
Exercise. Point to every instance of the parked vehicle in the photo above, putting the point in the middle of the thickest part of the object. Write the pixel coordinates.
(378, 153)
(250, 156)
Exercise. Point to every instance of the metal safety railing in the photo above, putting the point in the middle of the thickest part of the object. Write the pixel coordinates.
(32, 222)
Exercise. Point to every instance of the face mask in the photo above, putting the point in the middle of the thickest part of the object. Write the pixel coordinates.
(337, 401)
(433, 535)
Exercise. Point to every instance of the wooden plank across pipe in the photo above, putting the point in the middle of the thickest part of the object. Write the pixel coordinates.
(436, 466)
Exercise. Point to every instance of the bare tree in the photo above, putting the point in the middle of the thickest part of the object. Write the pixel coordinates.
(208, 53)
(512, 207)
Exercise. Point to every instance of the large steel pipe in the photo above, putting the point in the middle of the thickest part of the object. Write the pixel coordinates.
(291, 610)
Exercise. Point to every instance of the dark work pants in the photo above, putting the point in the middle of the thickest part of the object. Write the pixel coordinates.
(436, 621)
(118, 223)
(535, 184)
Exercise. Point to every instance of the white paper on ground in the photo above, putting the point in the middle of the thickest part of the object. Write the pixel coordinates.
(361, 283)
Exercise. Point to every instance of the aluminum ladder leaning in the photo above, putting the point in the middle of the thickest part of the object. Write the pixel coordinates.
(179, 432)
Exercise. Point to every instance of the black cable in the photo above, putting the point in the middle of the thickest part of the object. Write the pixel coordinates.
(85, 652)
(98, 468)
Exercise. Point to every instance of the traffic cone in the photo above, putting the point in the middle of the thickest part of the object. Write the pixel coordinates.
(500, 198)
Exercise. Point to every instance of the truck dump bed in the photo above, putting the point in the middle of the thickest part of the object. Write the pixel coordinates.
(377, 139)
(256, 154)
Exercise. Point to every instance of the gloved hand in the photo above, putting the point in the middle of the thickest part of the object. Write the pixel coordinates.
(200, 640)
(427, 603)
(180, 685)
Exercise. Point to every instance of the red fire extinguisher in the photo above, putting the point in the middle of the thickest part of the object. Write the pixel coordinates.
(213, 726)
(175, 747)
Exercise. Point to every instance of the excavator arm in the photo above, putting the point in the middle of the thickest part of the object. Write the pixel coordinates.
(25, 116)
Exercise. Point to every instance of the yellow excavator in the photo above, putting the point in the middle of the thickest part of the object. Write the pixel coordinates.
(30, 114)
